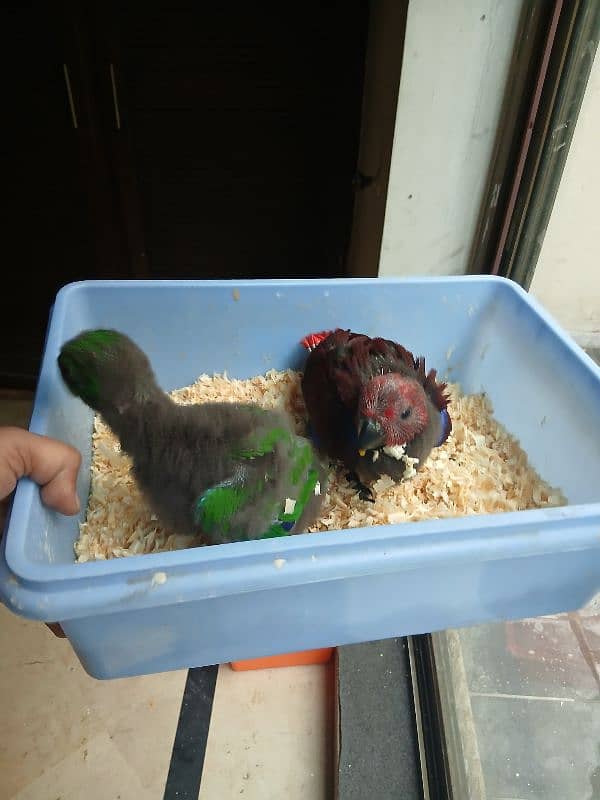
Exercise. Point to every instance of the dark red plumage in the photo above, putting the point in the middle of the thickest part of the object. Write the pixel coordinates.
(364, 394)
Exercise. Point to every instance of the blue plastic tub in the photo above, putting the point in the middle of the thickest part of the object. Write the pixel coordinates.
(231, 601)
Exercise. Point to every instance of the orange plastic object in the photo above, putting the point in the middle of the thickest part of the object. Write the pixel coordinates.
(321, 656)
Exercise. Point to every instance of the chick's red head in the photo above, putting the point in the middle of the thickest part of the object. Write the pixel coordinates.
(392, 410)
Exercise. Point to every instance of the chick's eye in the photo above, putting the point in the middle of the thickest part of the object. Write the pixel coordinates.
(406, 413)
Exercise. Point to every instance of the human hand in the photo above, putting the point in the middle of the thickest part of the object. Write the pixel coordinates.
(53, 465)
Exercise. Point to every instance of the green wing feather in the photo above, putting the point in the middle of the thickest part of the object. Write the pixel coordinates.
(216, 508)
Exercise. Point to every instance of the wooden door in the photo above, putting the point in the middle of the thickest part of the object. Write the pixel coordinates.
(59, 224)
(187, 141)
(242, 127)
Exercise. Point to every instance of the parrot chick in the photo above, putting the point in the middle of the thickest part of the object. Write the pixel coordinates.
(225, 471)
(372, 406)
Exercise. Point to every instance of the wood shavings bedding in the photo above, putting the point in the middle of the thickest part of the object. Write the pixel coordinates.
(481, 469)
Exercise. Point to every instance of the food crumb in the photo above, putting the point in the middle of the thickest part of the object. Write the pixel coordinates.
(290, 505)
(395, 451)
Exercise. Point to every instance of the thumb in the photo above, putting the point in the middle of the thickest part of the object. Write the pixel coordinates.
(61, 491)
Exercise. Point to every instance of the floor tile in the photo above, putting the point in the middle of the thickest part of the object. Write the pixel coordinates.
(270, 735)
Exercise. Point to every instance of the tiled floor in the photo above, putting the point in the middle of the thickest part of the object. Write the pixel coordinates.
(66, 736)
(533, 692)
(270, 735)
(69, 736)
(15, 407)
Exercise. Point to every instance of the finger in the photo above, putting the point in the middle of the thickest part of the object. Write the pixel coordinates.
(61, 492)
(52, 464)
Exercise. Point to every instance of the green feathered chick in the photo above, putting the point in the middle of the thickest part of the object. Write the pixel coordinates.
(227, 471)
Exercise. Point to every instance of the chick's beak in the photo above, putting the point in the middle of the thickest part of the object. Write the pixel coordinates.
(370, 435)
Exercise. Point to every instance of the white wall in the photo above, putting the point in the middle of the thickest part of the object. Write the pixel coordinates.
(567, 276)
(453, 78)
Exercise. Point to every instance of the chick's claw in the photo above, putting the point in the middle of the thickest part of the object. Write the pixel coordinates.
(364, 492)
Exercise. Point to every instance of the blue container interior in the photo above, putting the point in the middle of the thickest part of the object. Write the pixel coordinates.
(485, 333)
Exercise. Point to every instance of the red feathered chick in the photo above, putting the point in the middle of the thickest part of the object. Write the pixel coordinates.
(365, 396)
